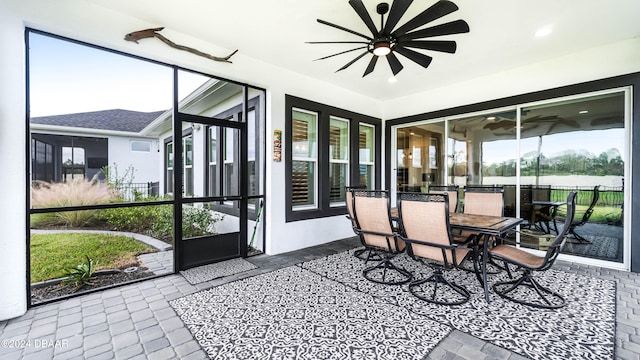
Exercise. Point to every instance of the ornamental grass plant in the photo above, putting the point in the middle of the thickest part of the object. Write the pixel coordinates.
(76, 192)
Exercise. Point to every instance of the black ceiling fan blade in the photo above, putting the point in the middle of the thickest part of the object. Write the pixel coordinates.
(398, 8)
(421, 59)
(453, 27)
(352, 61)
(344, 29)
(435, 45)
(340, 53)
(358, 6)
(395, 64)
(435, 11)
(371, 66)
(336, 42)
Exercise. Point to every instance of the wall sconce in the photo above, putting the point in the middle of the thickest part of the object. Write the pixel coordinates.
(195, 126)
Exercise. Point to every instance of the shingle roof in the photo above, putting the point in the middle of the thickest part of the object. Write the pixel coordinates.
(116, 119)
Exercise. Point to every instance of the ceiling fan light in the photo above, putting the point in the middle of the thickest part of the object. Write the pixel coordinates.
(381, 48)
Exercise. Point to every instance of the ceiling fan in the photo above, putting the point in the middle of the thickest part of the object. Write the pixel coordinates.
(389, 40)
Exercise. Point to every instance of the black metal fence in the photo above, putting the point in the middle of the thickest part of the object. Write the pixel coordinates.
(138, 191)
(610, 196)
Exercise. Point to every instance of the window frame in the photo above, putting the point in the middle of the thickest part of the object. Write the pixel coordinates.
(233, 114)
(368, 163)
(310, 160)
(324, 207)
(169, 141)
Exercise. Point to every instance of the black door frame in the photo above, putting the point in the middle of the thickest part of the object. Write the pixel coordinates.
(205, 250)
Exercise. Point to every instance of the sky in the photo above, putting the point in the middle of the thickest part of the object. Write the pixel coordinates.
(69, 78)
(595, 142)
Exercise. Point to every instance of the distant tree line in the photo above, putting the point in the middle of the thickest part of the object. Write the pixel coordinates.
(570, 162)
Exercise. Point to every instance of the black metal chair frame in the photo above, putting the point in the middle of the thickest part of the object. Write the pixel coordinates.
(365, 253)
(437, 277)
(385, 254)
(585, 217)
(505, 288)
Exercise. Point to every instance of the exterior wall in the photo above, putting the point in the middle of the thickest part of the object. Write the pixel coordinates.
(145, 164)
(13, 300)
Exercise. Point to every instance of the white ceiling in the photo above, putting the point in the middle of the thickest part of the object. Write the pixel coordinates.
(501, 36)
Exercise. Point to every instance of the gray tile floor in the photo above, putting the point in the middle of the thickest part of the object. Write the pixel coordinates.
(136, 321)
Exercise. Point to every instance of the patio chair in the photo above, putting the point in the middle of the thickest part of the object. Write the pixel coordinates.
(482, 200)
(366, 253)
(530, 263)
(451, 190)
(424, 219)
(581, 219)
(372, 214)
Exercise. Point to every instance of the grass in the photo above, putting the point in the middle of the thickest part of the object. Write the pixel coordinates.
(51, 254)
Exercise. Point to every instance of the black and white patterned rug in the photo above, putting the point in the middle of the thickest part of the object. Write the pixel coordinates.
(293, 313)
(583, 329)
(208, 272)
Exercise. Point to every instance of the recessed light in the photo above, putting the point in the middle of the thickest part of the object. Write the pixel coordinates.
(491, 117)
(392, 79)
(544, 31)
(583, 111)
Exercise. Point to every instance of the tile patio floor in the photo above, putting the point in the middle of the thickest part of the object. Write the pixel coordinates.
(137, 322)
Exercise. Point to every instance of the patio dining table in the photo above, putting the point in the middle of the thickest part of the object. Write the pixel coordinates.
(486, 226)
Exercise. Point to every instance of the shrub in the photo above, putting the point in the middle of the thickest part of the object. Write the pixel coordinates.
(81, 274)
(140, 219)
(159, 220)
(199, 221)
(72, 193)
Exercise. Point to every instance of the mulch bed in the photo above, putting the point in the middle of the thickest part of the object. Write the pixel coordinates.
(48, 292)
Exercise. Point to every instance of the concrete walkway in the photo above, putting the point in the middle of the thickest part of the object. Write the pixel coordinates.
(137, 322)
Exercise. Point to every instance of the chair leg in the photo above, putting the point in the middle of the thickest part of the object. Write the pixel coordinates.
(551, 299)
(437, 278)
(580, 238)
(367, 254)
(402, 276)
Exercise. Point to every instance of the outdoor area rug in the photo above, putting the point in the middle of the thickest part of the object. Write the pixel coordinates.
(294, 313)
(204, 273)
(583, 329)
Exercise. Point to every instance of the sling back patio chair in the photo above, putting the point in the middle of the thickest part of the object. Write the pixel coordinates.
(371, 210)
(365, 253)
(529, 263)
(482, 200)
(581, 220)
(424, 219)
(451, 190)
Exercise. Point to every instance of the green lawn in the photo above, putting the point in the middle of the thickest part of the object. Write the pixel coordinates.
(52, 253)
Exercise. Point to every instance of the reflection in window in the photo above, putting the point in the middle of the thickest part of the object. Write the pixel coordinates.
(213, 161)
(338, 159)
(187, 166)
(140, 145)
(251, 152)
(230, 167)
(72, 163)
(41, 161)
(419, 155)
(304, 144)
(366, 154)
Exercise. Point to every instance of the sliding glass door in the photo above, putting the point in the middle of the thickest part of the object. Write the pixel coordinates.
(538, 153)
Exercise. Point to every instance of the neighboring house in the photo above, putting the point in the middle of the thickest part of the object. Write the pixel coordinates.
(80, 145)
